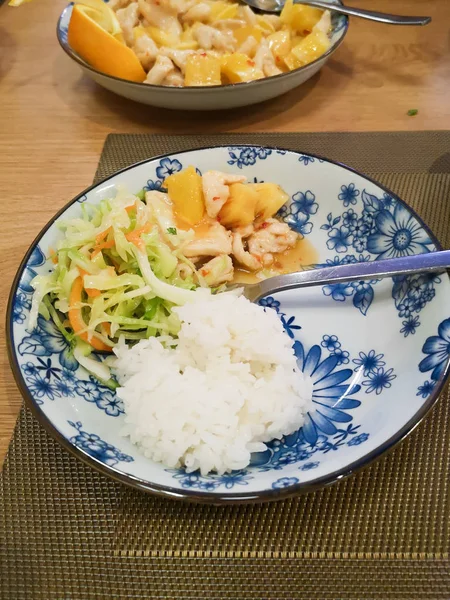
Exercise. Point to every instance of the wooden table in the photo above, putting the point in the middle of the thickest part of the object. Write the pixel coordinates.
(53, 121)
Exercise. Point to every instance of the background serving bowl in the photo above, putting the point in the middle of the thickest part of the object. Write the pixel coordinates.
(205, 98)
(377, 351)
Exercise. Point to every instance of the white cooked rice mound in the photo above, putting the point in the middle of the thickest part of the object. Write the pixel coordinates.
(230, 384)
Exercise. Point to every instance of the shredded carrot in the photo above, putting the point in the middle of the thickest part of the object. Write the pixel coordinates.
(102, 246)
(53, 256)
(135, 236)
(130, 208)
(101, 236)
(91, 292)
(107, 327)
(76, 318)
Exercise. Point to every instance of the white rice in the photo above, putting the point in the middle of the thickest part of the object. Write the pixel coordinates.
(230, 384)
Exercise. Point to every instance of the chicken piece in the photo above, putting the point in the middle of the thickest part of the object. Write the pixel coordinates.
(249, 47)
(160, 16)
(179, 57)
(117, 4)
(128, 18)
(244, 232)
(160, 70)
(272, 236)
(146, 50)
(174, 79)
(265, 60)
(208, 37)
(176, 7)
(216, 190)
(246, 13)
(218, 270)
(214, 241)
(242, 256)
(197, 13)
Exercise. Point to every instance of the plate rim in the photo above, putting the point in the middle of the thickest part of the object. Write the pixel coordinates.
(199, 496)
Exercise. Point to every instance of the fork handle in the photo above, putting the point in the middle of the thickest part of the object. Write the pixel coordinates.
(436, 262)
(367, 14)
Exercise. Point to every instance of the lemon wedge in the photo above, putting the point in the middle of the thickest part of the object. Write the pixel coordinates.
(95, 34)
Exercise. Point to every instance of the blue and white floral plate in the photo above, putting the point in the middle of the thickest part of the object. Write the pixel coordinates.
(377, 351)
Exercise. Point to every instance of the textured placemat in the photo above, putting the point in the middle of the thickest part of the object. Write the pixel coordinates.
(68, 533)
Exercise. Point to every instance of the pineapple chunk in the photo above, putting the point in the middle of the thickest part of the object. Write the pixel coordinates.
(222, 10)
(138, 32)
(187, 35)
(187, 41)
(186, 192)
(292, 62)
(241, 34)
(202, 70)
(238, 67)
(300, 17)
(162, 38)
(229, 12)
(271, 198)
(310, 48)
(193, 45)
(279, 43)
(265, 25)
(239, 209)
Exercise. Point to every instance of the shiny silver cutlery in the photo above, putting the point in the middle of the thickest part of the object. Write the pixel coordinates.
(436, 262)
(276, 6)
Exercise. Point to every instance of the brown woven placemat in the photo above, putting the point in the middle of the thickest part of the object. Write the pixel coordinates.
(68, 533)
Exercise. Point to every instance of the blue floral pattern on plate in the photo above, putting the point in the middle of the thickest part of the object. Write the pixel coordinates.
(244, 156)
(382, 229)
(210, 483)
(438, 349)
(36, 259)
(96, 447)
(297, 213)
(352, 368)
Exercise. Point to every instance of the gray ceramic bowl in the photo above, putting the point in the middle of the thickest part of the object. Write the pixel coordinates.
(205, 98)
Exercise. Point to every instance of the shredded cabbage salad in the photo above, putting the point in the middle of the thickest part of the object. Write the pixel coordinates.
(118, 271)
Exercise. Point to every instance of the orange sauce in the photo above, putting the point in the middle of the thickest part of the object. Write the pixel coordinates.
(303, 253)
(201, 228)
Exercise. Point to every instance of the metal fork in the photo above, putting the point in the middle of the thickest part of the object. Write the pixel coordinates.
(436, 262)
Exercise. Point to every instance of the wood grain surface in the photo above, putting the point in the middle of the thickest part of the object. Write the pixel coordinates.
(53, 120)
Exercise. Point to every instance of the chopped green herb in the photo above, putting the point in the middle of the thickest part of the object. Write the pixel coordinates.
(141, 195)
(412, 112)
(172, 230)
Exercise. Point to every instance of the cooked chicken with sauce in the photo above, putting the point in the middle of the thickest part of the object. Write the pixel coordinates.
(215, 42)
(221, 223)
